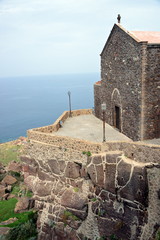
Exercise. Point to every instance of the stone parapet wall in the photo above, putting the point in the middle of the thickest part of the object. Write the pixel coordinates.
(42, 152)
(65, 142)
(137, 151)
(56, 125)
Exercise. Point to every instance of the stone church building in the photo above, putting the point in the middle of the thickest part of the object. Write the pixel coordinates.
(130, 83)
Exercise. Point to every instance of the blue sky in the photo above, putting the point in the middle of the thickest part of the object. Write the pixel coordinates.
(39, 37)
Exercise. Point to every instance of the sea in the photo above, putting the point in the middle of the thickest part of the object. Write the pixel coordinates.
(34, 101)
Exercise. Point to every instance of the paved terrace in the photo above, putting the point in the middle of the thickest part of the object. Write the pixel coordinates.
(88, 127)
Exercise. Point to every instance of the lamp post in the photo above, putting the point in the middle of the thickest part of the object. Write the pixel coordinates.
(69, 95)
(103, 108)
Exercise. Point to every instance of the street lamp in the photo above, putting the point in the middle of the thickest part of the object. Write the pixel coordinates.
(69, 95)
(103, 108)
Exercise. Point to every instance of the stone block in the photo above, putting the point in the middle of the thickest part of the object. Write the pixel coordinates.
(73, 200)
(97, 159)
(54, 165)
(111, 157)
(110, 172)
(44, 176)
(72, 170)
(14, 166)
(123, 173)
(62, 165)
(2, 191)
(43, 189)
(137, 188)
(9, 180)
(100, 175)
(22, 205)
(92, 173)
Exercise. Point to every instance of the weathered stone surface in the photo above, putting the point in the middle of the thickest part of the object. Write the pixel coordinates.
(14, 166)
(4, 230)
(54, 165)
(9, 180)
(73, 200)
(137, 188)
(100, 175)
(10, 220)
(123, 176)
(22, 205)
(44, 176)
(110, 177)
(2, 191)
(92, 173)
(30, 170)
(62, 165)
(30, 182)
(28, 160)
(43, 189)
(82, 214)
(5, 196)
(111, 157)
(72, 170)
(83, 172)
(97, 159)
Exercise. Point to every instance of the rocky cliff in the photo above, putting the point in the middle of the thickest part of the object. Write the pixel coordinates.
(103, 196)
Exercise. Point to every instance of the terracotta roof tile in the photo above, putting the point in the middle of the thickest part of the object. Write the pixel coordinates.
(150, 37)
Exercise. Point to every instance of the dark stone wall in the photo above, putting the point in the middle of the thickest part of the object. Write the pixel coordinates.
(97, 100)
(152, 94)
(121, 81)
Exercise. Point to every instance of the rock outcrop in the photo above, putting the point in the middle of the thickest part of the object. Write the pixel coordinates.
(102, 196)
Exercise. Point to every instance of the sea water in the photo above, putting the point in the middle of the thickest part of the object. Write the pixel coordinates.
(30, 102)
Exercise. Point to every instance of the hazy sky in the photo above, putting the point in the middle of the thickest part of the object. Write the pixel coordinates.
(65, 36)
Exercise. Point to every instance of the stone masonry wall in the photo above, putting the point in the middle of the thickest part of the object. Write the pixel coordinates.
(121, 82)
(152, 93)
(136, 151)
(65, 142)
(81, 197)
(97, 99)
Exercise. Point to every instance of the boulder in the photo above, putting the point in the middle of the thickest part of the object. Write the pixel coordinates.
(4, 230)
(9, 221)
(22, 205)
(14, 166)
(9, 180)
(5, 196)
(2, 191)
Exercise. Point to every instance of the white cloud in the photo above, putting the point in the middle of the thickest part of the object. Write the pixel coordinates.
(51, 36)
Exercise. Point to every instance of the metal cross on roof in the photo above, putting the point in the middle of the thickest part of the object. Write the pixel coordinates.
(119, 18)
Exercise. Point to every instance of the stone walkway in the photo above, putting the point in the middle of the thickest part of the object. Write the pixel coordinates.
(90, 128)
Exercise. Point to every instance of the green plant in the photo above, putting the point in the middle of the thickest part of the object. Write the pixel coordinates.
(113, 237)
(94, 199)
(76, 189)
(17, 190)
(68, 215)
(51, 223)
(87, 153)
(158, 236)
(10, 152)
(23, 231)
